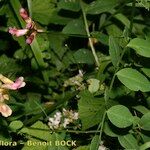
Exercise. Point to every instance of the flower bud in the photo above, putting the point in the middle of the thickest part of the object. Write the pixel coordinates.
(30, 39)
(24, 14)
(5, 110)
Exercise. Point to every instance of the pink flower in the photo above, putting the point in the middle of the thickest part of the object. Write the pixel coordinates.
(23, 14)
(5, 110)
(18, 32)
(30, 38)
(15, 85)
(26, 18)
(30, 29)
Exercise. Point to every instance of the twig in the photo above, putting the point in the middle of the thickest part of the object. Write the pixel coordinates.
(88, 34)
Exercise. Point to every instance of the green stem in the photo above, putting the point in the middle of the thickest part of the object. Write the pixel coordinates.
(117, 69)
(29, 2)
(132, 16)
(145, 146)
(73, 131)
(102, 127)
(88, 34)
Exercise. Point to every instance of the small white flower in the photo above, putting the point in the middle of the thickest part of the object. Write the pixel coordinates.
(75, 116)
(66, 122)
(51, 119)
(102, 147)
(80, 73)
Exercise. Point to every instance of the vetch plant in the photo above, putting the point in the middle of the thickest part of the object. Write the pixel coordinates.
(107, 106)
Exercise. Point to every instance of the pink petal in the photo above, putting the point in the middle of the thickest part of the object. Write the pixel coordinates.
(17, 32)
(5, 110)
(23, 14)
(19, 83)
(12, 30)
(21, 32)
(16, 85)
(30, 39)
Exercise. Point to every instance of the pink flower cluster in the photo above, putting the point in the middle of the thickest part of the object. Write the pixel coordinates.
(30, 29)
(7, 84)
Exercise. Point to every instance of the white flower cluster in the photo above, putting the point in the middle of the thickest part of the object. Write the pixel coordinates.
(76, 81)
(62, 119)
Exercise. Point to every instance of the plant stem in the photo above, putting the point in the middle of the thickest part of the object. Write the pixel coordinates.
(132, 16)
(29, 2)
(88, 34)
(117, 69)
(73, 131)
(102, 127)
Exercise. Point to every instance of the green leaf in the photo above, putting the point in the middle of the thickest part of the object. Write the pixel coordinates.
(34, 64)
(20, 54)
(38, 53)
(42, 10)
(101, 6)
(33, 103)
(69, 5)
(128, 142)
(43, 42)
(145, 146)
(145, 122)
(108, 131)
(120, 116)
(94, 143)
(101, 37)
(114, 30)
(89, 108)
(146, 71)
(57, 44)
(15, 125)
(75, 27)
(83, 56)
(38, 130)
(133, 79)
(123, 19)
(114, 50)
(141, 109)
(9, 65)
(93, 85)
(141, 46)
(56, 18)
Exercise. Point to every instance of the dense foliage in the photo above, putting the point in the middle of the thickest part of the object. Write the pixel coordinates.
(86, 67)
